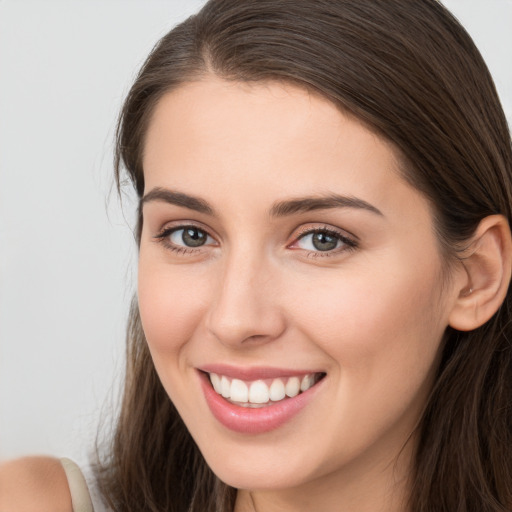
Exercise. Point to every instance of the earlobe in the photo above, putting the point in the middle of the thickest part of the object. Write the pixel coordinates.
(487, 263)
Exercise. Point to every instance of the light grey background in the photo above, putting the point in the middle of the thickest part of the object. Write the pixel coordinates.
(67, 258)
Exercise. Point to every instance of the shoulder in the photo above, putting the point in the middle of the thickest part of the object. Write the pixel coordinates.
(34, 484)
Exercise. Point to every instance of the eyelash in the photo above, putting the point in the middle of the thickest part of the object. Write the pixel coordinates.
(163, 238)
(349, 244)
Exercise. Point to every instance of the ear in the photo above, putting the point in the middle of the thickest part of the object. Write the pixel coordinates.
(487, 263)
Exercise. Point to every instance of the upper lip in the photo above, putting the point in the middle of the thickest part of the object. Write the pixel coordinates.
(255, 372)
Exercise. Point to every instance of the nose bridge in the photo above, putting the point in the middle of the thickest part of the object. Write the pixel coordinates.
(244, 306)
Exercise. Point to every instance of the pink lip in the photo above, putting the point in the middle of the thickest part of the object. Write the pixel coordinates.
(258, 420)
(249, 374)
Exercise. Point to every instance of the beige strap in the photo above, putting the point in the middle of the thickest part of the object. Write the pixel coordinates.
(80, 496)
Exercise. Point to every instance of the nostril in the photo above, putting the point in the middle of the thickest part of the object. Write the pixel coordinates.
(246, 330)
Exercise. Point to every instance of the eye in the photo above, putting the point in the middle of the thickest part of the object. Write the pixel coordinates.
(323, 241)
(184, 238)
(189, 236)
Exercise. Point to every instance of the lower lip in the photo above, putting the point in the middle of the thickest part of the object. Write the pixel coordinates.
(254, 420)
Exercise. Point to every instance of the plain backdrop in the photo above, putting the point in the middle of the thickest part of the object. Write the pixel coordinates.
(67, 254)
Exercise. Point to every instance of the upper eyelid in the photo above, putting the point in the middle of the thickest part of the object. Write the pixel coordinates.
(171, 226)
(308, 229)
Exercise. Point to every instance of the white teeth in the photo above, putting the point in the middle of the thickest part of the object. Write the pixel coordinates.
(277, 391)
(292, 387)
(216, 382)
(258, 392)
(225, 387)
(306, 383)
(239, 391)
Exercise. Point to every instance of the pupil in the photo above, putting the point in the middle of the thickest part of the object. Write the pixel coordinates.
(193, 237)
(324, 242)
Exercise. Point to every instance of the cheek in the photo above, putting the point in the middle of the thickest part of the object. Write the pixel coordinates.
(381, 331)
(366, 312)
(171, 304)
(382, 340)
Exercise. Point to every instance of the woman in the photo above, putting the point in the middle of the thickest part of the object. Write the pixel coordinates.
(325, 257)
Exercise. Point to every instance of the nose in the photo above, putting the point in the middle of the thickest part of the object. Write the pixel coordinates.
(245, 310)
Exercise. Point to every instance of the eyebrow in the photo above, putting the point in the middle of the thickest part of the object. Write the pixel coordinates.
(279, 209)
(308, 204)
(178, 199)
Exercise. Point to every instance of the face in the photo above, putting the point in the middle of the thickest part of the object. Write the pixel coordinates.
(281, 248)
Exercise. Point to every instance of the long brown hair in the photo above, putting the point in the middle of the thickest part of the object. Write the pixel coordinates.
(410, 72)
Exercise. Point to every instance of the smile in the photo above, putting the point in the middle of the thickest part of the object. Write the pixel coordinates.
(257, 401)
(262, 392)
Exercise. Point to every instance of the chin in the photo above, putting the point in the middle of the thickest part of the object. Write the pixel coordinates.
(260, 477)
(262, 466)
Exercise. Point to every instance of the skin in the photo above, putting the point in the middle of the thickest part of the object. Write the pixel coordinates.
(369, 312)
(257, 293)
(34, 484)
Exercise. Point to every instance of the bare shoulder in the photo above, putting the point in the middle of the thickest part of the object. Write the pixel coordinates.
(33, 484)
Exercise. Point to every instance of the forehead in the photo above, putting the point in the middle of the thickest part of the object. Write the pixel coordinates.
(220, 138)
